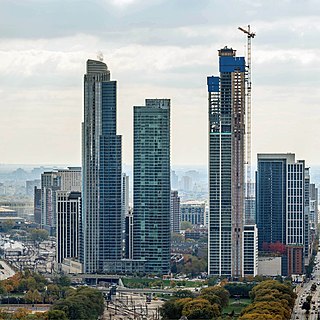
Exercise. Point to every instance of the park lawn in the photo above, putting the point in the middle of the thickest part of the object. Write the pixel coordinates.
(147, 283)
(236, 305)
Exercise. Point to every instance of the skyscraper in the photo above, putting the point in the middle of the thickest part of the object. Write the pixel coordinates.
(175, 214)
(226, 165)
(52, 181)
(271, 192)
(101, 234)
(151, 185)
(37, 205)
(250, 250)
(67, 230)
(313, 205)
(282, 209)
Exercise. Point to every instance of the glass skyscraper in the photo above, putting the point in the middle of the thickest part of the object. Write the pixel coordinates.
(282, 207)
(226, 95)
(271, 192)
(101, 225)
(151, 185)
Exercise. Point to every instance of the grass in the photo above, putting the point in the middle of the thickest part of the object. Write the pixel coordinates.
(147, 283)
(236, 305)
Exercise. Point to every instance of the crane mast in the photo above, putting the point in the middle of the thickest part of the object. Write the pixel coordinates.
(250, 35)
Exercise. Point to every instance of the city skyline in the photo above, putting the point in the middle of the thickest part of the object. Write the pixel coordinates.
(42, 63)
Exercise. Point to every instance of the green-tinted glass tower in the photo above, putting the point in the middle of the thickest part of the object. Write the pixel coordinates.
(151, 186)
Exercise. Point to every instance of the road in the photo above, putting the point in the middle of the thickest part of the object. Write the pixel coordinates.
(6, 271)
(303, 292)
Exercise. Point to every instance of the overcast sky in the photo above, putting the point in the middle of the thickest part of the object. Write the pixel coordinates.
(155, 49)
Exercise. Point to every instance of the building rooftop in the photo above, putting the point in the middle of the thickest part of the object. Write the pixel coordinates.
(193, 203)
(3, 210)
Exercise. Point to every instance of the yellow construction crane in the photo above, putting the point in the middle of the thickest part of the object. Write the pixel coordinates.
(250, 35)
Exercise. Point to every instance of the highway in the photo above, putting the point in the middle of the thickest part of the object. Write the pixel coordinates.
(304, 292)
(6, 271)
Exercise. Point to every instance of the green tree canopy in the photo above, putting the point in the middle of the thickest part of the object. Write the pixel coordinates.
(56, 315)
(272, 308)
(219, 291)
(39, 235)
(185, 225)
(7, 225)
(82, 303)
(200, 309)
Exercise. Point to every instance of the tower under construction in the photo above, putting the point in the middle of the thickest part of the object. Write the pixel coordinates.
(226, 95)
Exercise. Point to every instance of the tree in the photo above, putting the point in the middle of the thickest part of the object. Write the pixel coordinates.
(200, 309)
(170, 310)
(21, 313)
(39, 235)
(33, 296)
(306, 306)
(258, 316)
(57, 315)
(174, 268)
(177, 237)
(270, 297)
(82, 303)
(277, 247)
(273, 308)
(192, 265)
(185, 225)
(239, 289)
(212, 281)
(184, 294)
(222, 293)
(283, 288)
(212, 298)
(63, 281)
(157, 283)
(7, 225)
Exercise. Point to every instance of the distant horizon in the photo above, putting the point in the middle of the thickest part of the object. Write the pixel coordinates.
(124, 164)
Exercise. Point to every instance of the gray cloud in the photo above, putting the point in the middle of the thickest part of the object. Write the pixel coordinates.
(155, 48)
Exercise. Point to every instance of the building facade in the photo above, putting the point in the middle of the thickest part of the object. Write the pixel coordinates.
(282, 208)
(128, 236)
(194, 212)
(226, 95)
(67, 230)
(30, 185)
(250, 250)
(175, 214)
(151, 185)
(271, 199)
(66, 180)
(101, 215)
(313, 206)
(125, 211)
(250, 204)
(37, 205)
